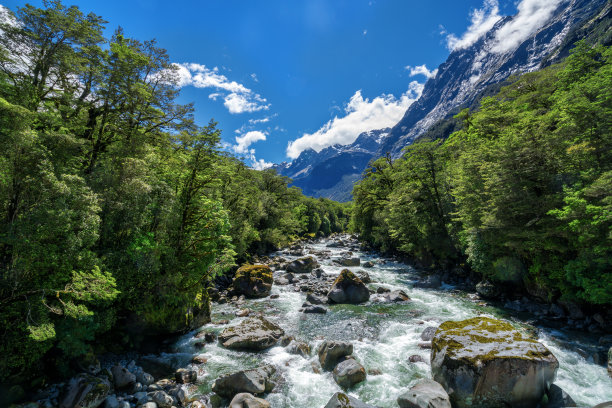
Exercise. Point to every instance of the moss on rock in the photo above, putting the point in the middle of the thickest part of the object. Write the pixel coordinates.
(253, 281)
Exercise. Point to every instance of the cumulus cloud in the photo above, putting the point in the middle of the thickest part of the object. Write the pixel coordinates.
(421, 70)
(482, 20)
(237, 98)
(360, 115)
(532, 14)
(260, 164)
(245, 141)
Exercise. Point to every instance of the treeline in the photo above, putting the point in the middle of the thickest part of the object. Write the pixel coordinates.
(116, 209)
(520, 196)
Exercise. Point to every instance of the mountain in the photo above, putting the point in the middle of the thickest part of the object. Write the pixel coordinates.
(462, 80)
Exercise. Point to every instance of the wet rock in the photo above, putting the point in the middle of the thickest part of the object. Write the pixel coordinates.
(415, 358)
(397, 296)
(184, 376)
(425, 394)
(374, 371)
(610, 362)
(122, 377)
(303, 265)
(246, 400)
(380, 290)
(253, 281)
(255, 381)
(348, 373)
(141, 398)
(348, 288)
(274, 296)
(430, 282)
(145, 379)
(243, 312)
(471, 359)
(111, 402)
(428, 333)
(314, 309)
(558, 398)
(353, 261)
(162, 399)
(364, 276)
(487, 290)
(207, 336)
(255, 333)
(342, 400)
(425, 344)
(604, 405)
(299, 348)
(199, 359)
(286, 340)
(573, 310)
(146, 405)
(368, 264)
(315, 299)
(85, 391)
(331, 352)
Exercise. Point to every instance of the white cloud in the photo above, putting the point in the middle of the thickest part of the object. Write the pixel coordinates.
(254, 77)
(262, 120)
(482, 20)
(421, 70)
(532, 14)
(361, 115)
(365, 32)
(260, 164)
(243, 142)
(239, 98)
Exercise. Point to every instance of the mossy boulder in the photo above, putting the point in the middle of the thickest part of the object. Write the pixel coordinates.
(484, 362)
(85, 391)
(303, 265)
(348, 288)
(253, 281)
(254, 334)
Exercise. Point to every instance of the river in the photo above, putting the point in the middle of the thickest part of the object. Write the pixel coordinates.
(383, 335)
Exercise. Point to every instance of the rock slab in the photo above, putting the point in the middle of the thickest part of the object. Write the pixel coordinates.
(255, 381)
(254, 334)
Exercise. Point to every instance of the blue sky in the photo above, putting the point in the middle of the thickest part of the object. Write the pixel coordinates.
(316, 71)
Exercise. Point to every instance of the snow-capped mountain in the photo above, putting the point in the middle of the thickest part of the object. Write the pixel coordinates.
(466, 75)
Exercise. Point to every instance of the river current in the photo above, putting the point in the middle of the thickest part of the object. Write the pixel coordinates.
(384, 335)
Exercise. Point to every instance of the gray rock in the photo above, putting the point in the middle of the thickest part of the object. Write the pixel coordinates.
(246, 400)
(85, 391)
(348, 373)
(255, 333)
(303, 265)
(331, 352)
(558, 398)
(315, 299)
(368, 264)
(607, 404)
(471, 359)
(300, 348)
(348, 288)
(145, 405)
(141, 397)
(610, 362)
(425, 394)
(397, 296)
(415, 358)
(162, 399)
(111, 402)
(428, 333)
(315, 309)
(342, 400)
(364, 276)
(354, 261)
(184, 376)
(487, 290)
(255, 381)
(122, 377)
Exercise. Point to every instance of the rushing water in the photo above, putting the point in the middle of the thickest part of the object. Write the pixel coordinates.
(383, 335)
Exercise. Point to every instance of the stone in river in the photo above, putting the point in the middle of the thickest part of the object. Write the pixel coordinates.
(341, 400)
(425, 394)
(246, 400)
(348, 373)
(303, 265)
(255, 334)
(255, 381)
(253, 281)
(348, 288)
(331, 352)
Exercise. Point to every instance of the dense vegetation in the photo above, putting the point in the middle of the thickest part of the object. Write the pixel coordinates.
(116, 209)
(521, 195)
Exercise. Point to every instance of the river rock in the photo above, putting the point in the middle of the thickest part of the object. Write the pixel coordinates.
(352, 261)
(303, 265)
(85, 391)
(341, 400)
(145, 379)
(368, 264)
(610, 362)
(254, 381)
(246, 400)
(558, 398)
(472, 360)
(255, 333)
(162, 399)
(300, 348)
(331, 352)
(487, 290)
(184, 376)
(425, 394)
(348, 288)
(428, 333)
(122, 377)
(397, 296)
(317, 309)
(253, 281)
(364, 276)
(348, 373)
(315, 299)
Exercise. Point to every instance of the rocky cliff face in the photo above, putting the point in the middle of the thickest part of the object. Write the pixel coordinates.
(467, 74)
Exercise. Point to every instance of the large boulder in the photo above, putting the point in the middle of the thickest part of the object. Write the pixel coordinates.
(487, 290)
(558, 398)
(253, 281)
(341, 400)
(346, 261)
(254, 381)
(255, 334)
(348, 288)
(246, 400)
(425, 394)
(348, 373)
(331, 352)
(303, 265)
(85, 391)
(122, 376)
(484, 362)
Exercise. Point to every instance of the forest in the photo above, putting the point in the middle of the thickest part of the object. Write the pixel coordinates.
(117, 210)
(520, 196)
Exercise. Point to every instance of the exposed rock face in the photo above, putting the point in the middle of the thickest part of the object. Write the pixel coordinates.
(348, 261)
(331, 352)
(246, 400)
(255, 333)
(558, 398)
(348, 373)
(472, 360)
(303, 265)
(348, 288)
(341, 400)
(253, 281)
(255, 381)
(425, 394)
(85, 391)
